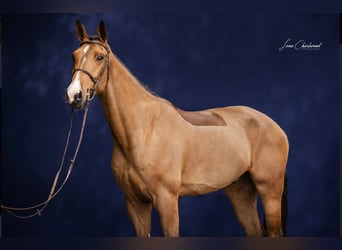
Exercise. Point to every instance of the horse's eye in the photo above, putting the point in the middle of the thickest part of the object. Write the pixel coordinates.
(99, 58)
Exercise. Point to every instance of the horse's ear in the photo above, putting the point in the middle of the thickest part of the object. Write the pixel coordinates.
(81, 32)
(101, 32)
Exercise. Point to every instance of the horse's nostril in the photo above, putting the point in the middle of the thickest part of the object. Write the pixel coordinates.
(78, 96)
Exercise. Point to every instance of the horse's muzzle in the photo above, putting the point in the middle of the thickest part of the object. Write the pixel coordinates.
(76, 102)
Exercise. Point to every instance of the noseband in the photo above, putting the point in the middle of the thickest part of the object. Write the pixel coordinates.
(92, 91)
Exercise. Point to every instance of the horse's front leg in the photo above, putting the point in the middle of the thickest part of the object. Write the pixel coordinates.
(166, 204)
(139, 212)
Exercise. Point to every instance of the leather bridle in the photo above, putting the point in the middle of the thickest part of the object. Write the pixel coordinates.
(92, 91)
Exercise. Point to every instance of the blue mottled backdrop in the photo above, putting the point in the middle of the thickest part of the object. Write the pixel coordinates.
(196, 61)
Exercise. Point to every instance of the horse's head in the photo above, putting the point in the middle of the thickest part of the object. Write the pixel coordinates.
(91, 66)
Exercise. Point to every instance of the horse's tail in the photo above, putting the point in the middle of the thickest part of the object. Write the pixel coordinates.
(284, 207)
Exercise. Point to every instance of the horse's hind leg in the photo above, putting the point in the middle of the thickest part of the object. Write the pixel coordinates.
(243, 196)
(268, 175)
(270, 187)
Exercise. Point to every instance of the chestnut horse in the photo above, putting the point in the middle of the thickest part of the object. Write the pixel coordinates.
(162, 152)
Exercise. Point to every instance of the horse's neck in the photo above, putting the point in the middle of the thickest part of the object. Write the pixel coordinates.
(125, 103)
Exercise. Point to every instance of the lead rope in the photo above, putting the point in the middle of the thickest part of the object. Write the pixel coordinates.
(53, 194)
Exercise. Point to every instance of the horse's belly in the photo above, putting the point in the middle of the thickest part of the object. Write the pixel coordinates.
(206, 181)
(214, 163)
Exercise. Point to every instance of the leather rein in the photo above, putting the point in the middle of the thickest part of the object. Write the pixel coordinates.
(38, 208)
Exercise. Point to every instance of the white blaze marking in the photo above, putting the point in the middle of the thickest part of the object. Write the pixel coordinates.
(85, 50)
(75, 86)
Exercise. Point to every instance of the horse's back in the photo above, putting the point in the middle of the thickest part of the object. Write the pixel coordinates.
(250, 119)
(202, 118)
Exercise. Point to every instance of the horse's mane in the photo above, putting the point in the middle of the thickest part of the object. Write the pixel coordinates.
(148, 89)
(137, 80)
